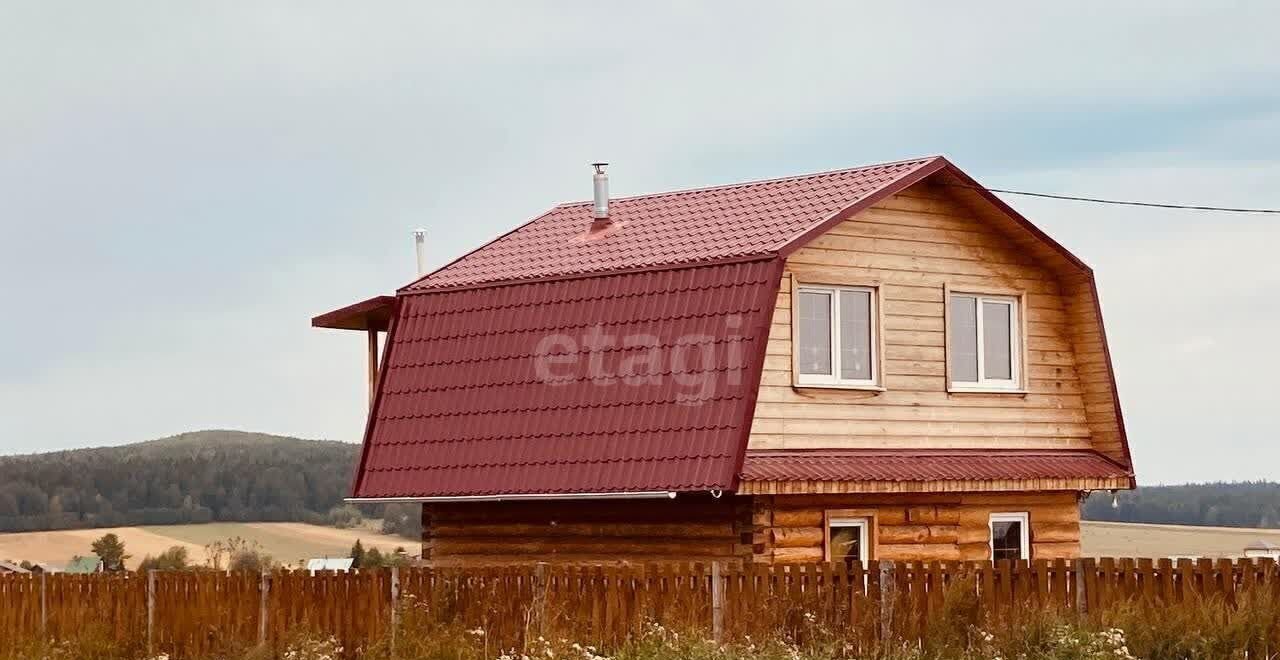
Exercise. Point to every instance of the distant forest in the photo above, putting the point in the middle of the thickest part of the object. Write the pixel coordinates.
(1242, 504)
(233, 476)
(197, 477)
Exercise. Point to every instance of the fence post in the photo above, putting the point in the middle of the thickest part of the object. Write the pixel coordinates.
(264, 593)
(151, 611)
(395, 606)
(1082, 596)
(44, 609)
(540, 596)
(887, 597)
(717, 603)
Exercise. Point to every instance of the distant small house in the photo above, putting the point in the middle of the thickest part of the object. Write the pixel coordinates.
(10, 568)
(81, 565)
(341, 564)
(1262, 549)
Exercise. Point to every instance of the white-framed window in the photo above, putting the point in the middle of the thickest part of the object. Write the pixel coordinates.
(836, 335)
(985, 342)
(848, 539)
(1010, 536)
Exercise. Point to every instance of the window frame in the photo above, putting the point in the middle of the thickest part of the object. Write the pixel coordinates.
(875, 318)
(863, 518)
(1024, 540)
(1017, 300)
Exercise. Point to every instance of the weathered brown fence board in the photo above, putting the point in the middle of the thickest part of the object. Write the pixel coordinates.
(196, 613)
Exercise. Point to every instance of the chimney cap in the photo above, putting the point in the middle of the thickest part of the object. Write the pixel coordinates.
(600, 188)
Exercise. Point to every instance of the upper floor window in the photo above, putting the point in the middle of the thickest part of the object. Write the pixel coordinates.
(835, 341)
(985, 341)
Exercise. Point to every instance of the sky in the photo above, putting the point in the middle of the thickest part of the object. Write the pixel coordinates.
(183, 185)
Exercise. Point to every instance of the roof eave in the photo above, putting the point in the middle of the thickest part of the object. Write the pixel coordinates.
(614, 495)
(820, 486)
(372, 314)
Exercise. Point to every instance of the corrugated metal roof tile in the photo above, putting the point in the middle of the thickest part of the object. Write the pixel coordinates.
(682, 227)
(469, 406)
(917, 465)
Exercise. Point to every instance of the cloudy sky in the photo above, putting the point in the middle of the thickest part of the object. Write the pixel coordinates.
(184, 184)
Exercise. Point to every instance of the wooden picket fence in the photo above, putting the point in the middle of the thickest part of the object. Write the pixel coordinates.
(187, 614)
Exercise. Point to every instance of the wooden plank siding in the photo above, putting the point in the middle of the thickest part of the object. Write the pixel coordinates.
(912, 247)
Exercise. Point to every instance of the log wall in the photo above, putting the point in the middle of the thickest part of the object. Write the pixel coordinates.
(790, 528)
(763, 528)
(691, 527)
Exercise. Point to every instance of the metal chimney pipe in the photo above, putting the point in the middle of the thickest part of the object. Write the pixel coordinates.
(420, 247)
(601, 181)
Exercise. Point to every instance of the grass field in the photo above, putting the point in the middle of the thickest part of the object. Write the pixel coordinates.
(1105, 539)
(286, 542)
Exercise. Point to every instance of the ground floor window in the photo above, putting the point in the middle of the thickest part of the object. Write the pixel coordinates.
(1009, 536)
(847, 539)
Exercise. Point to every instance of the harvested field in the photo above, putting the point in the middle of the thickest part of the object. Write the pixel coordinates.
(286, 542)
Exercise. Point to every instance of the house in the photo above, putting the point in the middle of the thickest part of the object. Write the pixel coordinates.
(339, 564)
(1262, 549)
(11, 568)
(90, 564)
(883, 362)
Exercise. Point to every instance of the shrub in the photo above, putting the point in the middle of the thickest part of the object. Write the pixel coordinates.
(345, 516)
(176, 558)
(238, 554)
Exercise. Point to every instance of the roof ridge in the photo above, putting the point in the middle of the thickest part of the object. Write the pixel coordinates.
(751, 258)
(756, 182)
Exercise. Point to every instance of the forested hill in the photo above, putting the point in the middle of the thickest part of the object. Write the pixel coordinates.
(189, 478)
(1242, 504)
(209, 476)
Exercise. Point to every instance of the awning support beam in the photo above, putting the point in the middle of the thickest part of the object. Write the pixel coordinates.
(373, 365)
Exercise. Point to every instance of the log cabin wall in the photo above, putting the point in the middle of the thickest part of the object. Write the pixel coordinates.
(791, 528)
(911, 246)
(691, 527)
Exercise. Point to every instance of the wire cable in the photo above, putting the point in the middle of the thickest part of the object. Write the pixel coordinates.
(1118, 202)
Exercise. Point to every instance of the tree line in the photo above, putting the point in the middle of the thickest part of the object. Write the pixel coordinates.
(197, 477)
(1239, 504)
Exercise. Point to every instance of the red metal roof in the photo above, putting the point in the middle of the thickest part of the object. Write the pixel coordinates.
(460, 409)
(682, 227)
(918, 465)
(474, 398)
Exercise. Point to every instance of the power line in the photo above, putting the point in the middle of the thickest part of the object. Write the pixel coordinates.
(1118, 202)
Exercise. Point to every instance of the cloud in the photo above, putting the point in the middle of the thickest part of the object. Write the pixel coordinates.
(1193, 346)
